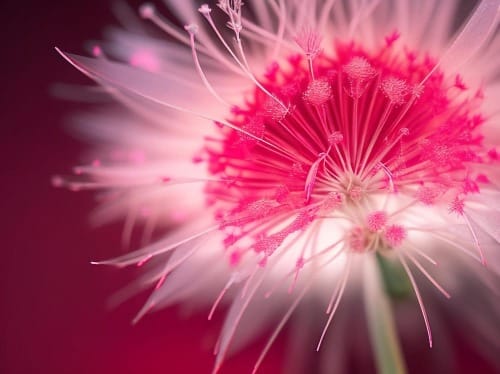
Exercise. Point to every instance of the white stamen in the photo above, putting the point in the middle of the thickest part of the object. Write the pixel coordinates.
(428, 276)
(476, 239)
(242, 65)
(419, 298)
(192, 29)
(338, 296)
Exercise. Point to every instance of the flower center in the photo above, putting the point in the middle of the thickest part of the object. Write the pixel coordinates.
(329, 136)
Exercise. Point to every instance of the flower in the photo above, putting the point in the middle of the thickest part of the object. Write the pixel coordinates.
(296, 151)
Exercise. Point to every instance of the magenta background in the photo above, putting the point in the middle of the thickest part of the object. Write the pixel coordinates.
(53, 315)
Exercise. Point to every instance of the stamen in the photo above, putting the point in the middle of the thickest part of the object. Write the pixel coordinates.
(419, 298)
(421, 253)
(338, 297)
(428, 276)
(233, 9)
(192, 29)
(476, 239)
(389, 176)
(128, 226)
(318, 92)
(205, 10)
(234, 320)
(395, 235)
(395, 89)
(234, 278)
(360, 72)
(311, 175)
(280, 326)
(310, 42)
(152, 251)
(376, 221)
(172, 265)
(148, 11)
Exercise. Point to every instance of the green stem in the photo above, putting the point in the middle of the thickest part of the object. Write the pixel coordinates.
(383, 335)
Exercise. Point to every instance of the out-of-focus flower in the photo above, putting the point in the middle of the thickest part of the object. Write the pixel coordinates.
(305, 150)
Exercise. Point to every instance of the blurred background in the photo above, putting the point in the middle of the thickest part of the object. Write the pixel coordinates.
(54, 313)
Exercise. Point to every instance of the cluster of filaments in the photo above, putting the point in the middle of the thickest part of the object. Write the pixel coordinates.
(327, 134)
(330, 137)
(324, 135)
(334, 136)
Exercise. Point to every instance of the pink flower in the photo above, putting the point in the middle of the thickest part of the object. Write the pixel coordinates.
(303, 151)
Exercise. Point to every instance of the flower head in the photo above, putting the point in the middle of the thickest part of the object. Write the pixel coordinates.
(281, 159)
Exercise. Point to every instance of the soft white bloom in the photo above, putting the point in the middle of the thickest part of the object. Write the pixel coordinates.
(306, 153)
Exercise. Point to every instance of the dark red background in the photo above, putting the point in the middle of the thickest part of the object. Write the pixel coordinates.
(54, 316)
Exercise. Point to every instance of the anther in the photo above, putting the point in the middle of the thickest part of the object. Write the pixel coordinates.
(394, 235)
(318, 92)
(192, 28)
(335, 138)
(360, 72)
(395, 89)
(147, 10)
(204, 9)
(376, 221)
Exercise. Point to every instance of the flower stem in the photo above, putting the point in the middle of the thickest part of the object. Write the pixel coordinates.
(385, 343)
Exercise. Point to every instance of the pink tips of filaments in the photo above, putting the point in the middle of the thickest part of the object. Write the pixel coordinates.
(147, 10)
(145, 60)
(359, 69)
(459, 83)
(57, 181)
(404, 131)
(392, 38)
(356, 239)
(205, 9)
(335, 138)
(191, 28)
(318, 92)
(427, 195)
(273, 110)
(457, 206)
(395, 90)
(309, 41)
(376, 221)
(96, 51)
(359, 72)
(395, 235)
